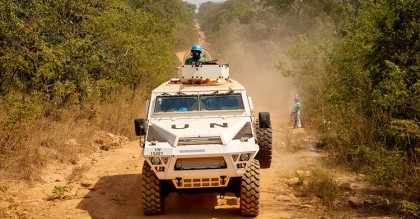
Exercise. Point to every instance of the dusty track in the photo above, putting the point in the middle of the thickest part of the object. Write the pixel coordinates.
(109, 187)
(201, 41)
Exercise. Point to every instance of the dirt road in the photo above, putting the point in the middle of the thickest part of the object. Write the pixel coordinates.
(107, 185)
(201, 41)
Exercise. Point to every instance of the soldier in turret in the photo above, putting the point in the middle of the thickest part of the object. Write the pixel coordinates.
(196, 58)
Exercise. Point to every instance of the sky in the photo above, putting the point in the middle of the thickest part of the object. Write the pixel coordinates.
(198, 2)
(201, 1)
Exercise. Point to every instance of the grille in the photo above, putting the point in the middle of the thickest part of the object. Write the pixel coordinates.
(199, 140)
(201, 163)
(201, 182)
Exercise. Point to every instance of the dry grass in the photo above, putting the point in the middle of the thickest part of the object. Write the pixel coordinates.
(44, 139)
(295, 141)
(78, 173)
(117, 116)
(62, 135)
(317, 182)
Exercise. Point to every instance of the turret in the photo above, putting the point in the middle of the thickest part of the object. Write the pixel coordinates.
(204, 73)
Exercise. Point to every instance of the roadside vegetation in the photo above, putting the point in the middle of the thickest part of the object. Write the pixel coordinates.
(356, 67)
(60, 192)
(70, 68)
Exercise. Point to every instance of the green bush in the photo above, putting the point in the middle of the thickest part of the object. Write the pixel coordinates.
(355, 65)
(318, 183)
(69, 68)
(409, 209)
(60, 192)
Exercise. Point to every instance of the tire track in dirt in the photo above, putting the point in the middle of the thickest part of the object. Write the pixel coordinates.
(201, 41)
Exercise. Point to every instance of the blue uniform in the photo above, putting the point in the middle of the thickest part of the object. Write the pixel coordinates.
(296, 112)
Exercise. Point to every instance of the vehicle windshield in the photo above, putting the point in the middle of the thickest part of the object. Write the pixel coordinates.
(221, 102)
(191, 103)
(176, 104)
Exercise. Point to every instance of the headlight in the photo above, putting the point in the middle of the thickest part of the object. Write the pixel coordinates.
(155, 160)
(244, 133)
(244, 157)
(154, 135)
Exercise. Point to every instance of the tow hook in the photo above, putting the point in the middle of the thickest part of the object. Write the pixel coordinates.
(178, 179)
(223, 179)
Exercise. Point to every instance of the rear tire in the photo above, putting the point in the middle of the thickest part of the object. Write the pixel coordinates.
(151, 192)
(250, 190)
(265, 141)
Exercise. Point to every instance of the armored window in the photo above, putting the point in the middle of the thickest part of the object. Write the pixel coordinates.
(176, 104)
(221, 102)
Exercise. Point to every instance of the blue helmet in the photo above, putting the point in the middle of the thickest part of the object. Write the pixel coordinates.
(196, 47)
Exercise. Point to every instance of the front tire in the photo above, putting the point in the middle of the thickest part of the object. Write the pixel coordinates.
(250, 190)
(151, 192)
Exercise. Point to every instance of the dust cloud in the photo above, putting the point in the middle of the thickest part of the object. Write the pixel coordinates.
(269, 91)
(254, 66)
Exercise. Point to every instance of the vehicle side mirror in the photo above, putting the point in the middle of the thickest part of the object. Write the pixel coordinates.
(140, 126)
(264, 120)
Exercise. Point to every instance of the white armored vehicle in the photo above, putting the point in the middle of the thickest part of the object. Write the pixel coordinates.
(200, 136)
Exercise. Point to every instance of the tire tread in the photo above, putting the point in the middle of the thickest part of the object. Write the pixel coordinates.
(151, 192)
(250, 190)
(264, 137)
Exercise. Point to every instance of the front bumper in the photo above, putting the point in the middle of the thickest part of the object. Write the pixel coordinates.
(200, 166)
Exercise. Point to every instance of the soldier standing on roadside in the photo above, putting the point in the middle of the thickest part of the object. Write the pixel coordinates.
(296, 113)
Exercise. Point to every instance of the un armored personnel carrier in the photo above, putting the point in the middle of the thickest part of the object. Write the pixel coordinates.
(200, 136)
